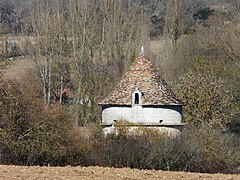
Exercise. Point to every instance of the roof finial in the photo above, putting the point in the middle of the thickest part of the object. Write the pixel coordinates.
(142, 50)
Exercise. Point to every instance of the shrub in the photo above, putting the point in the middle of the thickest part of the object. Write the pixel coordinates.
(201, 149)
(197, 149)
(30, 133)
(122, 150)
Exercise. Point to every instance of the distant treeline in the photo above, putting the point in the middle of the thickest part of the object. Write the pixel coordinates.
(15, 13)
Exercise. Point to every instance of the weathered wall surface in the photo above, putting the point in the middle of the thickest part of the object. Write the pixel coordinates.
(133, 130)
(170, 115)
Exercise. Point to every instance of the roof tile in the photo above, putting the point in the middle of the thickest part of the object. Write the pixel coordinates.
(142, 75)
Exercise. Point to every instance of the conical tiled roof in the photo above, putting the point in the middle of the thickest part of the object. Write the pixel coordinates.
(143, 76)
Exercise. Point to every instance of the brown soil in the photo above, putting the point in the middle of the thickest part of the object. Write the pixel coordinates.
(68, 172)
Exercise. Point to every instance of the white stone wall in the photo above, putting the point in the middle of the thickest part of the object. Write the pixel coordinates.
(171, 115)
(168, 131)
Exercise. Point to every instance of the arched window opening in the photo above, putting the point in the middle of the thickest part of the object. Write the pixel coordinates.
(136, 98)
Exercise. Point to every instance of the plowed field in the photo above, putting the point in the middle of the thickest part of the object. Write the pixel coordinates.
(35, 172)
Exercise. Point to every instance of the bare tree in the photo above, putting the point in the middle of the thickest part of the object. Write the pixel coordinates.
(174, 20)
(125, 29)
(86, 43)
(44, 32)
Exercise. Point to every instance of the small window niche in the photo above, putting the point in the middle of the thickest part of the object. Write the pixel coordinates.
(136, 98)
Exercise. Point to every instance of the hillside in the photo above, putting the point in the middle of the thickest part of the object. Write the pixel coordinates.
(24, 172)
